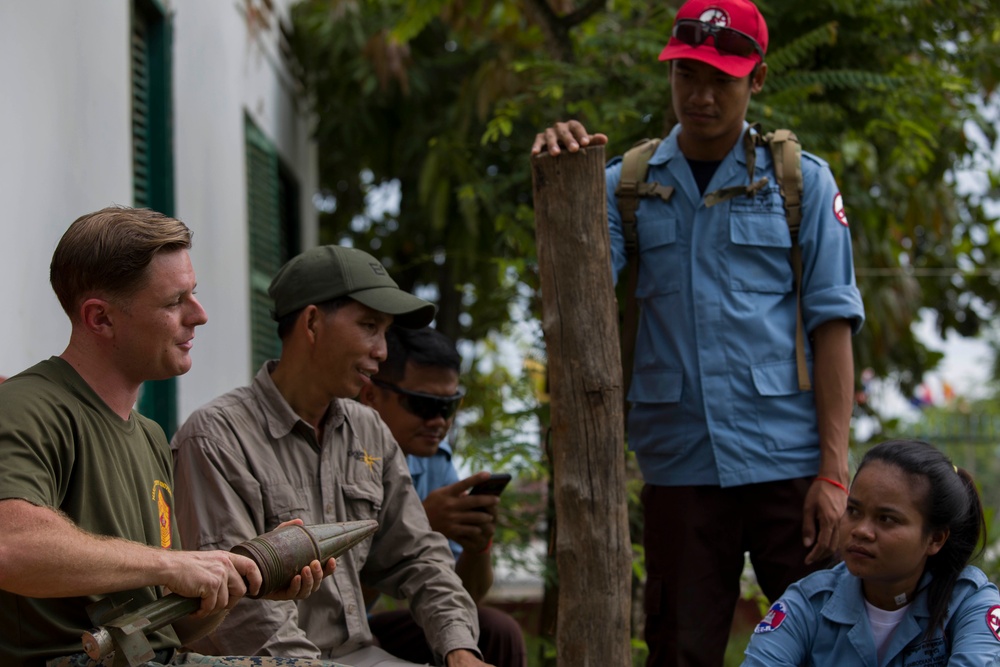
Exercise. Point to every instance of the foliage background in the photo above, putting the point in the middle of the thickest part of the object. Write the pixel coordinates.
(436, 102)
(442, 98)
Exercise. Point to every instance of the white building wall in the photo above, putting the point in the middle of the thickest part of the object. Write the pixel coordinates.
(226, 67)
(65, 149)
(65, 128)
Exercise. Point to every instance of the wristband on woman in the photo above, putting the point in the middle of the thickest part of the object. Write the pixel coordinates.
(834, 482)
(487, 547)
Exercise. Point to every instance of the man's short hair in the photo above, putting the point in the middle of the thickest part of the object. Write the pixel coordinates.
(286, 323)
(422, 347)
(106, 253)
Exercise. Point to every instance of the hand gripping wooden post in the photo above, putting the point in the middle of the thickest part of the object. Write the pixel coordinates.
(579, 321)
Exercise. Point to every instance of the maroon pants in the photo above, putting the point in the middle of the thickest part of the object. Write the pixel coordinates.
(695, 538)
(500, 639)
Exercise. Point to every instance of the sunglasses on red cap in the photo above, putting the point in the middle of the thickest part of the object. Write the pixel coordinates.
(728, 41)
(425, 406)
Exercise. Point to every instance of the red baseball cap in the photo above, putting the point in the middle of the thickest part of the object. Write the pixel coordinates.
(741, 15)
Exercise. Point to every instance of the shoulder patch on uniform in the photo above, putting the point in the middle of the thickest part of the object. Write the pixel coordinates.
(993, 620)
(772, 619)
(838, 209)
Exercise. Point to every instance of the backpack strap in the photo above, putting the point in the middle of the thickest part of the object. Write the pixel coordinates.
(750, 140)
(632, 186)
(786, 152)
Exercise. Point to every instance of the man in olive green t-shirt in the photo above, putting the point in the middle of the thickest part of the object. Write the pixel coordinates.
(86, 499)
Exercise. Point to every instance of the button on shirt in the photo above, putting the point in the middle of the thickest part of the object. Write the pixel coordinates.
(245, 462)
(714, 388)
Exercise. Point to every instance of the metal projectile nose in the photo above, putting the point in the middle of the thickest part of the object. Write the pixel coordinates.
(283, 552)
(335, 539)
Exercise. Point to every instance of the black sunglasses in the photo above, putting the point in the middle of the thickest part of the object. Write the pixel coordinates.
(425, 406)
(728, 41)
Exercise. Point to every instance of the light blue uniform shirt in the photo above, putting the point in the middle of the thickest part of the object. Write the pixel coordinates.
(821, 620)
(433, 472)
(714, 388)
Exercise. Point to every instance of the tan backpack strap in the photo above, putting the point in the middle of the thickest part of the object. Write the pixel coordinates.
(787, 155)
(721, 195)
(635, 163)
(654, 189)
(751, 139)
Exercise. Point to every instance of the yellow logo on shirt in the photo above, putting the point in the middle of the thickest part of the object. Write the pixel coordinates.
(365, 458)
(163, 510)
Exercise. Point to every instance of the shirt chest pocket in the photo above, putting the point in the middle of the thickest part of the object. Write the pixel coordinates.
(282, 502)
(362, 501)
(759, 254)
(931, 653)
(659, 255)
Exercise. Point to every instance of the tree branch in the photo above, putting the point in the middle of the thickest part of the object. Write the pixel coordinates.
(583, 13)
(556, 28)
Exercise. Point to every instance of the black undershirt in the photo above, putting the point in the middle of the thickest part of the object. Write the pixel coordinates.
(703, 171)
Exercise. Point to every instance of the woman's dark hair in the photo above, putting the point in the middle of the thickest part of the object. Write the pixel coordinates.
(952, 503)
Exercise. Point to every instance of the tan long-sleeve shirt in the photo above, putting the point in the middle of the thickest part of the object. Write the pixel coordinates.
(245, 462)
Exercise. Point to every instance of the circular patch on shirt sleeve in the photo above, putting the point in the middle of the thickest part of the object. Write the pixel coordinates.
(773, 618)
(838, 209)
(993, 620)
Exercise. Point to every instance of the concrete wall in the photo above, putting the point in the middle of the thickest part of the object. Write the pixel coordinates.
(65, 129)
(66, 146)
(226, 67)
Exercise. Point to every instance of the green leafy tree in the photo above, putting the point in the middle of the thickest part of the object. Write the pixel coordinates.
(439, 100)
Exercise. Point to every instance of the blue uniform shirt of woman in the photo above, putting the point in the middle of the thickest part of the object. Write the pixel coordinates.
(821, 620)
(905, 594)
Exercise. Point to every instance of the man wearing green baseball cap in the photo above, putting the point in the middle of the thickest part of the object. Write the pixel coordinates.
(331, 272)
(294, 444)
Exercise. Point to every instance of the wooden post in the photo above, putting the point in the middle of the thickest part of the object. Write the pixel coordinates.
(580, 324)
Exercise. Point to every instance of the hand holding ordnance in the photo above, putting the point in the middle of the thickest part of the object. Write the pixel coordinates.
(279, 555)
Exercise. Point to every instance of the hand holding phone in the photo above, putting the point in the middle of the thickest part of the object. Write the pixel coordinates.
(494, 486)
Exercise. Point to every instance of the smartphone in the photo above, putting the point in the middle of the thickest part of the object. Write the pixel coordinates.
(494, 486)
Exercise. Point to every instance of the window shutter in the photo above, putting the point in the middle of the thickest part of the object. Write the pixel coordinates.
(152, 159)
(273, 229)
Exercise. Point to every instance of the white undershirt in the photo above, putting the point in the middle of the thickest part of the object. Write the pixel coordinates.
(883, 624)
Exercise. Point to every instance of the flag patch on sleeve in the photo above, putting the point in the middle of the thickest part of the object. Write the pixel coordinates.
(772, 619)
(993, 620)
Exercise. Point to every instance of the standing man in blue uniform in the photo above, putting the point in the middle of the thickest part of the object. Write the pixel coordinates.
(735, 456)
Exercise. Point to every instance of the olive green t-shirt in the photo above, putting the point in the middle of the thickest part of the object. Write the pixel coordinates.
(61, 446)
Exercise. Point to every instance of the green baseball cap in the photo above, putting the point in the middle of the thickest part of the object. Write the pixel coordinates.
(331, 271)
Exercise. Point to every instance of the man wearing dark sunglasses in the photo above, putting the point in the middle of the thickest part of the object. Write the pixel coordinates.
(294, 443)
(417, 393)
(736, 457)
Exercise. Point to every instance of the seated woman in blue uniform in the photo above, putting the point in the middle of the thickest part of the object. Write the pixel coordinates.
(905, 594)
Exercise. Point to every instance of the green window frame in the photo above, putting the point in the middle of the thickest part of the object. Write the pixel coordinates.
(273, 226)
(152, 157)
